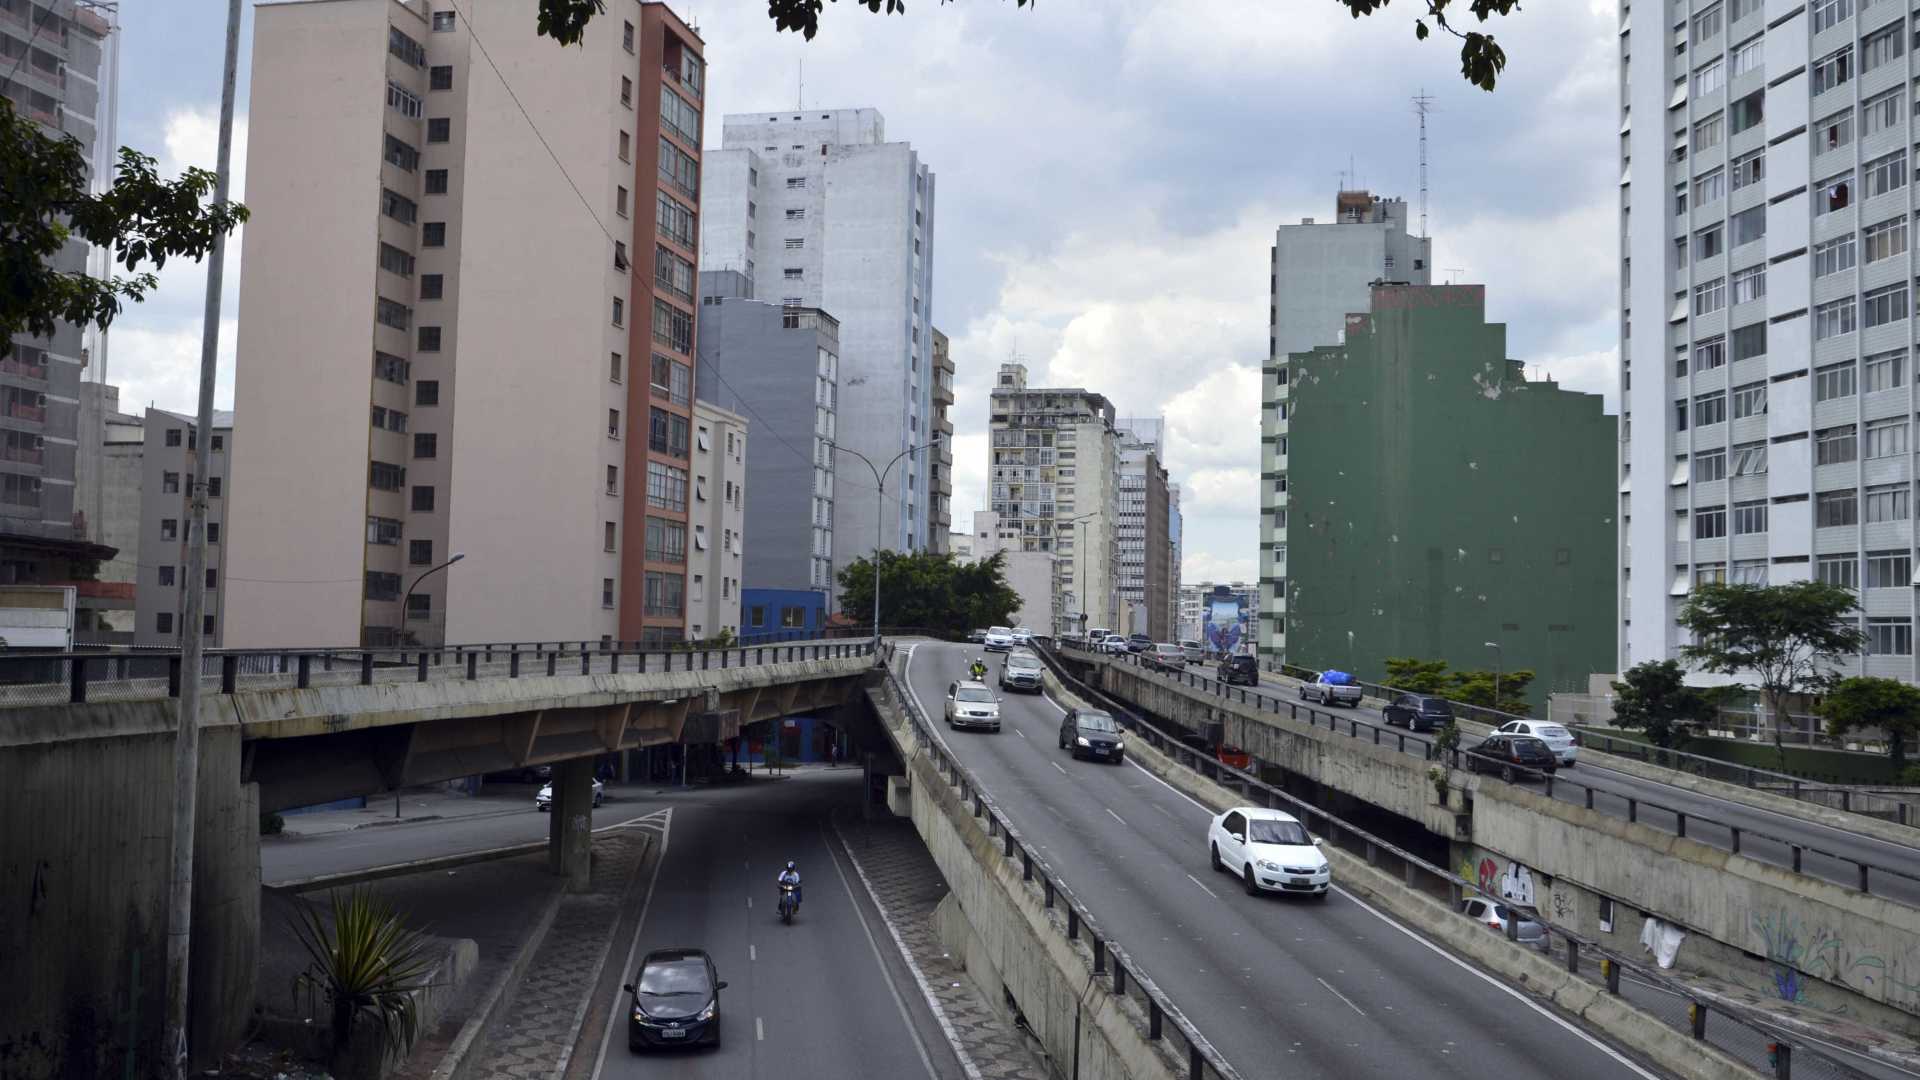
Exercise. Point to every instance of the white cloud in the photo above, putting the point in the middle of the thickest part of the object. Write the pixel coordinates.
(1198, 566)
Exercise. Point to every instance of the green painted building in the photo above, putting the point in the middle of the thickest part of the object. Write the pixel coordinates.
(1435, 500)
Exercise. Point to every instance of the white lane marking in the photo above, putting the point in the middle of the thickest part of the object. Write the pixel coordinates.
(749, 901)
(1115, 816)
(1339, 995)
(1203, 886)
(1056, 765)
(1020, 733)
(753, 952)
(633, 950)
(759, 1031)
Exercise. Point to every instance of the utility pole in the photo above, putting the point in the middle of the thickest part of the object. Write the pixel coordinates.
(1423, 104)
(186, 744)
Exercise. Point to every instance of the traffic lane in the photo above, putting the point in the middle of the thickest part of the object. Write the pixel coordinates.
(1330, 988)
(807, 999)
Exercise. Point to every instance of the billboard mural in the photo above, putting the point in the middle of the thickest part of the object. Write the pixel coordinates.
(1226, 620)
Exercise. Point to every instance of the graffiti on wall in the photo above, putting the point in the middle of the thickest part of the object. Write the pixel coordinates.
(1512, 882)
(1796, 951)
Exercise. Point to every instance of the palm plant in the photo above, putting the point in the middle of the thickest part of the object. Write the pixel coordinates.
(366, 961)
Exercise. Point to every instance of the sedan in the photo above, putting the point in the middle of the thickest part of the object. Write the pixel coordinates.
(1270, 851)
(1022, 636)
(544, 800)
(977, 637)
(1092, 733)
(1558, 739)
(1166, 656)
(971, 704)
(1196, 653)
(676, 1001)
(1512, 756)
(1528, 932)
(999, 639)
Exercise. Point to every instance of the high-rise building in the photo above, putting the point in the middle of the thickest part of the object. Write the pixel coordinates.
(1440, 501)
(1766, 288)
(1321, 272)
(822, 212)
(1218, 614)
(762, 361)
(715, 561)
(170, 452)
(940, 470)
(1054, 466)
(1028, 571)
(109, 477)
(1142, 575)
(503, 232)
(1174, 555)
(57, 61)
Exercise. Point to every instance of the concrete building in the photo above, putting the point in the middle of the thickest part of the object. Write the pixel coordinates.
(1767, 314)
(1030, 572)
(761, 361)
(1054, 465)
(1320, 273)
(940, 469)
(169, 454)
(1438, 500)
(718, 514)
(447, 233)
(1174, 557)
(1218, 613)
(57, 61)
(108, 477)
(822, 212)
(960, 546)
(1143, 578)
(781, 614)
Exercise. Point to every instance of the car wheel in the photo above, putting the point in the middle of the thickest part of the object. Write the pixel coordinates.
(1253, 886)
(1323, 894)
(1303, 693)
(596, 802)
(1506, 773)
(1213, 858)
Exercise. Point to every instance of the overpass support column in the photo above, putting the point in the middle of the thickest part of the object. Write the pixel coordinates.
(570, 829)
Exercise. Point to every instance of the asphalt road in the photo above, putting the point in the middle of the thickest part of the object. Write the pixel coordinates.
(828, 995)
(1282, 986)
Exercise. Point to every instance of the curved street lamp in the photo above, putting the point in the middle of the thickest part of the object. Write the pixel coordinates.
(879, 519)
(408, 599)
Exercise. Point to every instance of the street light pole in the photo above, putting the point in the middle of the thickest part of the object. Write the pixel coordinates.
(879, 519)
(1497, 664)
(408, 599)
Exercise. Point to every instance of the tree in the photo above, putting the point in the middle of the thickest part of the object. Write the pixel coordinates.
(925, 589)
(1787, 636)
(1887, 704)
(1481, 59)
(45, 203)
(367, 963)
(1416, 676)
(1478, 688)
(1653, 696)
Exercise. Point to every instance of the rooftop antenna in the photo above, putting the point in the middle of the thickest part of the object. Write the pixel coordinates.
(1451, 271)
(1423, 104)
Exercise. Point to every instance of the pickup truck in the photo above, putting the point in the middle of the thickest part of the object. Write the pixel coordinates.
(1333, 688)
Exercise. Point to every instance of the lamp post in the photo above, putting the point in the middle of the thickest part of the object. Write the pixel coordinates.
(880, 520)
(457, 556)
(1080, 562)
(1349, 651)
(1497, 656)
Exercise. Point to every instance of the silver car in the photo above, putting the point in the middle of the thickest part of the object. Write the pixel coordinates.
(1021, 672)
(1558, 739)
(972, 705)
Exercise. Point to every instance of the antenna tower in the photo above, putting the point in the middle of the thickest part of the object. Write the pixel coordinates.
(1423, 104)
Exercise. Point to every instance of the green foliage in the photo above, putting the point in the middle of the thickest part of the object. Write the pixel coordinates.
(1888, 704)
(1438, 776)
(45, 203)
(925, 589)
(272, 824)
(1416, 676)
(1654, 697)
(1478, 688)
(367, 963)
(1447, 738)
(722, 640)
(1481, 58)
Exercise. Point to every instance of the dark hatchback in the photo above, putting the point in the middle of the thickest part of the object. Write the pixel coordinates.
(1418, 712)
(1240, 670)
(1092, 733)
(676, 1001)
(1514, 757)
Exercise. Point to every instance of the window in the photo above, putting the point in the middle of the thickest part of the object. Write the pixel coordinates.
(665, 593)
(382, 530)
(1750, 459)
(1880, 112)
(401, 155)
(1882, 46)
(1749, 284)
(673, 273)
(797, 213)
(1832, 70)
(612, 530)
(1709, 465)
(1830, 13)
(1749, 517)
(1886, 438)
(420, 552)
(439, 129)
(420, 606)
(1749, 55)
(1834, 318)
(384, 477)
(1885, 240)
(423, 498)
(440, 78)
(402, 101)
(1835, 445)
(626, 147)
(677, 223)
(606, 592)
(1680, 199)
(404, 47)
(1709, 353)
(166, 576)
(442, 21)
(619, 312)
(796, 243)
(1884, 174)
(426, 445)
(1710, 297)
(679, 170)
(1890, 636)
(1889, 570)
(163, 622)
(1835, 194)
(1834, 381)
(613, 367)
(432, 286)
(1833, 133)
(1709, 186)
(436, 181)
(1841, 570)
(395, 261)
(382, 586)
(1709, 242)
(433, 234)
(1709, 78)
(388, 419)
(173, 437)
(1886, 305)
(1889, 502)
(672, 380)
(1884, 370)
(613, 423)
(626, 37)
(679, 117)
(792, 273)
(1836, 508)
(672, 327)
(1707, 23)
(426, 392)
(613, 479)
(1747, 112)
(666, 487)
(1709, 409)
(1709, 522)
(398, 207)
(666, 541)
(626, 91)
(1833, 256)
(388, 367)
(391, 313)
(1748, 168)
(428, 339)
(1749, 225)
(170, 483)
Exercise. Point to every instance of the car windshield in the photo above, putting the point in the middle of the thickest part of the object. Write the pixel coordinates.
(1277, 832)
(999, 630)
(973, 693)
(1023, 663)
(673, 978)
(1436, 707)
(1096, 721)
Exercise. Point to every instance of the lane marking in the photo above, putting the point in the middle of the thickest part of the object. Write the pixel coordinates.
(749, 901)
(1115, 816)
(1057, 768)
(1339, 995)
(753, 952)
(1203, 886)
(759, 1031)
(1020, 733)
(633, 950)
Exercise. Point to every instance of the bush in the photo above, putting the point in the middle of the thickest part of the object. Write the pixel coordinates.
(272, 824)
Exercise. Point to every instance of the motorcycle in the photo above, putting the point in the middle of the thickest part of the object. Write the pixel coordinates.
(787, 904)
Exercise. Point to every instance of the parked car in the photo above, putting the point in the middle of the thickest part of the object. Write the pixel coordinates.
(1512, 756)
(543, 800)
(999, 639)
(1138, 643)
(1166, 656)
(1196, 652)
(977, 637)
(1240, 669)
(1564, 744)
(1333, 688)
(1418, 712)
(1495, 916)
(676, 1000)
(1232, 755)
(1093, 733)
(525, 774)
(1022, 636)
(1022, 671)
(970, 704)
(1269, 850)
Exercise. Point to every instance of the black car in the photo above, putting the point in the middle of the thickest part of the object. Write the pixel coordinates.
(676, 1001)
(1092, 733)
(1137, 643)
(1512, 756)
(1419, 712)
(1243, 670)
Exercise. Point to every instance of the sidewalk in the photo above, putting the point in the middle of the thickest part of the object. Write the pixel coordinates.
(424, 804)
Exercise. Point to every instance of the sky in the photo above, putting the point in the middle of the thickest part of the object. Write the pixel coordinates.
(1110, 175)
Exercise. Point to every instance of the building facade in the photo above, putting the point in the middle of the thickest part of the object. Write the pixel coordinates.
(1141, 530)
(820, 211)
(434, 218)
(1321, 272)
(718, 513)
(1767, 294)
(1054, 466)
(109, 477)
(1211, 604)
(1442, 506)
(764, 362)
(1174, 556)
(940, 469)
(170, 451)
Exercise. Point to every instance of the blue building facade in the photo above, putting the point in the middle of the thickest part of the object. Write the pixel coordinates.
(781, 614)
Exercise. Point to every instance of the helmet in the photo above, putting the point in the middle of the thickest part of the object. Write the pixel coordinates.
(789, 864)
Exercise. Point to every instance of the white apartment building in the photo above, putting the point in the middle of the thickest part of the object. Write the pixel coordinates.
(820, 211)
(1321, 272)
(718, 515)
(1767, 295)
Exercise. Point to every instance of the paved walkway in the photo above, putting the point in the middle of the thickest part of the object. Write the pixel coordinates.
(421, 804)
(907, 884)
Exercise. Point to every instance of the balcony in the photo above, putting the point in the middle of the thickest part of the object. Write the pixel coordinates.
(24, 369)
(22, 454)
(943, 391)
(35, 413)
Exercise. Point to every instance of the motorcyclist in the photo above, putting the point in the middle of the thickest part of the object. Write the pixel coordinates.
(978, 669)
(791, 876)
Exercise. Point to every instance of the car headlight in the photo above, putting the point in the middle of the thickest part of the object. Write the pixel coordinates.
(707, 1013)
(1081, 740)
(1119, 746)
(639, 1013)
(1270, 866)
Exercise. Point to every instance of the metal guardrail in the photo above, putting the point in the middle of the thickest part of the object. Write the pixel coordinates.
(1110, 961)
(1636, 808)
(1756, 1038)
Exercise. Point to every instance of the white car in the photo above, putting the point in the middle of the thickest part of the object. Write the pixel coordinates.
(999, 639)
(1270, 851)
(1022, 636)
(1558, 739)
(972, 704)
(544, 800)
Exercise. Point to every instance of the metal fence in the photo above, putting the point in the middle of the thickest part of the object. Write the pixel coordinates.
(1736, 1030)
